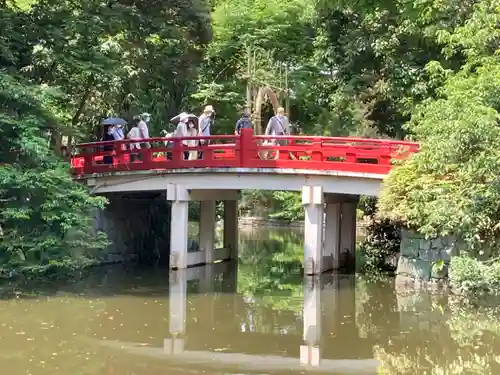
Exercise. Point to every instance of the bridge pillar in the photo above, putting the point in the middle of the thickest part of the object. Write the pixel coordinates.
(231, 227)
(348, 233)
(179, 196)
(340, 231)
(207, 230)
(331, 250)
(310, 352)
(312, 199)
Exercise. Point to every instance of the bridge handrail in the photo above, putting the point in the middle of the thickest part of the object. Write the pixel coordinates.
(245, 151)
(336, 139)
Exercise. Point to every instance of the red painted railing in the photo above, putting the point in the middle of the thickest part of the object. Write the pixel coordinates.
(245, 151)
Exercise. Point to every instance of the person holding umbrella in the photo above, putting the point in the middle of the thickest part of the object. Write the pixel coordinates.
(186, 128)
(109, 133)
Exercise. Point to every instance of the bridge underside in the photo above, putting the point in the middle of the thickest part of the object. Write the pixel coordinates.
(338, 182)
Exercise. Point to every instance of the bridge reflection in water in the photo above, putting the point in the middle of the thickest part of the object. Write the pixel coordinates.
(213, 328)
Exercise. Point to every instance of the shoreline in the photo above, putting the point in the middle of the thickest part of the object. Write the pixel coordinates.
(251, 222)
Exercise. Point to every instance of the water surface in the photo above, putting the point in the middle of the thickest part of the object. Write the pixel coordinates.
(256, 317)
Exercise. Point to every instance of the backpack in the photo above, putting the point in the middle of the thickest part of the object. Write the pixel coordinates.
(244, 123)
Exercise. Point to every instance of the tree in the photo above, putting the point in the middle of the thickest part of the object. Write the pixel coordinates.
(452, 186)
(45, 215)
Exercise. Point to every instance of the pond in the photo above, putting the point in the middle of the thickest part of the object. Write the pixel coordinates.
(260, 316)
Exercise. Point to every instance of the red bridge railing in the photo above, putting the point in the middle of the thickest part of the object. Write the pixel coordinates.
(245, 151)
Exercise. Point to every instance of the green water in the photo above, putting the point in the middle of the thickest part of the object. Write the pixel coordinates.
(254, 317)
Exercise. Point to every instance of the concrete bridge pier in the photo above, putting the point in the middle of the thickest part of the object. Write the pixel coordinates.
(207, 229)
(332, 244)
(313, 201)
(180, 197)
(231, 227)
(340, 231)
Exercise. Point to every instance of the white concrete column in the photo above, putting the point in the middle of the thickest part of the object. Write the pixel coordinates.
(231, 227)
(179, 196)
(177, 319)
(207, 229)
(312, 199)
(348, 232)
(310, 352)
(331, 250)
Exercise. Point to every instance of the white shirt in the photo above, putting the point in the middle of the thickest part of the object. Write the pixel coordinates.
(191, 132)
(134, 133)
(182, 131)
(143, 127)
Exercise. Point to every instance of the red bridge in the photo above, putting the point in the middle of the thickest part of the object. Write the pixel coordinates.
(330, 172)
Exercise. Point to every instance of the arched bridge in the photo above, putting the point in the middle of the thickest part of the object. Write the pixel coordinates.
(342, 165)
(330, 172)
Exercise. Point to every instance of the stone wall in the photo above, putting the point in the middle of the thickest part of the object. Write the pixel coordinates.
(138, 225)
(418, 256)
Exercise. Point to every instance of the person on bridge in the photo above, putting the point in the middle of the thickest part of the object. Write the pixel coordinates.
(277, 125)
(183, 130)
(143, 128)
(192, 132)
(205, 123)
(134, 134)
(109, 135)
(243, 123)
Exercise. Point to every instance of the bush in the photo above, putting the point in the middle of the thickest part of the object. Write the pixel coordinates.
(381, 245)
(471, 276)
(451, 186)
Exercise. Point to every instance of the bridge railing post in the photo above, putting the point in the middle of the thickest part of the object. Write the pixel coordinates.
(177, 154)
(245, 147)
(118, 153)
(88, 160)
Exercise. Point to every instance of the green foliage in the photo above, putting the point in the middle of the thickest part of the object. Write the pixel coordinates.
(280, 205)
(45, 215)
(473, 277)
(274, 35)
(289, 206)
(271, 267)
(451, 186)
(103, 56)
(381, 245)
(63, 66)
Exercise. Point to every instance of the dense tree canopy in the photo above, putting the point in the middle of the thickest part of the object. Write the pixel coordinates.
(64, 65)
(452, 185)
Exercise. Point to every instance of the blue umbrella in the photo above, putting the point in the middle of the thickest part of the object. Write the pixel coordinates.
(114, 121)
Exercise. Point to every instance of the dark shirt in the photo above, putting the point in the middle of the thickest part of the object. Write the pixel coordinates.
(108, 137)
(243, 123)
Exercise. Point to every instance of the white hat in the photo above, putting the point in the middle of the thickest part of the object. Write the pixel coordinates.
(208, 108)
(183, 117)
